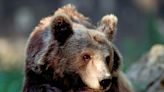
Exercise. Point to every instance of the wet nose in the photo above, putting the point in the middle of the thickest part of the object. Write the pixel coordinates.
(105, 83)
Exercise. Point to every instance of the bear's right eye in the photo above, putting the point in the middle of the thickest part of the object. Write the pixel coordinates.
(86, 57)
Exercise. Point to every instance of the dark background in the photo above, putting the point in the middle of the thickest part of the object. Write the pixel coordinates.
(140, 26)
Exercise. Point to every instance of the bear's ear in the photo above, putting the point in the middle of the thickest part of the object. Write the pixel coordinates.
(61, 28)
(117, 59)
(108, 25)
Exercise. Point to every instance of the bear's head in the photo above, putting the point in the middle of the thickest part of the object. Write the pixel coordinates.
(87, 52)
(78, 56)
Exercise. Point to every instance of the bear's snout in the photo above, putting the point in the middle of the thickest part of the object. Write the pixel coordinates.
(105, 83)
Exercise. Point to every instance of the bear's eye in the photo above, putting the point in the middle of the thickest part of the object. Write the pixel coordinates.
(108, 60)
(86, 57)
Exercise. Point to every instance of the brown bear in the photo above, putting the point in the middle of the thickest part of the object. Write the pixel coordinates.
(66, 53)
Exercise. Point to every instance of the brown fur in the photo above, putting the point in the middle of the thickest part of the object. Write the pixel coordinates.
(55, 49)
(71, 11)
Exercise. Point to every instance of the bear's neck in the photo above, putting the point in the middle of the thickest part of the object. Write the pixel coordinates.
(69, 82)
(64, 83)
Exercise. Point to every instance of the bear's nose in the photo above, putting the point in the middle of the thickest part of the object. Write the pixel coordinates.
(105, 83)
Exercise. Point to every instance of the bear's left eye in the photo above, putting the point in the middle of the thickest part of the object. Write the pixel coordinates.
(86, 57)
(108, 59)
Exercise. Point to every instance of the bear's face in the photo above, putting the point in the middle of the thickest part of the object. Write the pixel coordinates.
(86, 52)
(89, 54)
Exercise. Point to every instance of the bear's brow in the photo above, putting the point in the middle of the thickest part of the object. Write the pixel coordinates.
(99, 38)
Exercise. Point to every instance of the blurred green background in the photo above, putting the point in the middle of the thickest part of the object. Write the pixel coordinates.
(140, 25)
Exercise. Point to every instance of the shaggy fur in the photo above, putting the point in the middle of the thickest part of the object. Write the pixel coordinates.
(66, 53)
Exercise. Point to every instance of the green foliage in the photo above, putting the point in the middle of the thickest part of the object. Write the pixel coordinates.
(139, 86)
(154, 36)
(133, 48)
(11, 80)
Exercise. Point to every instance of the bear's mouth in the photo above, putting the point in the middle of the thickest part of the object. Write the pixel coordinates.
(76, 83)
(80, 86)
